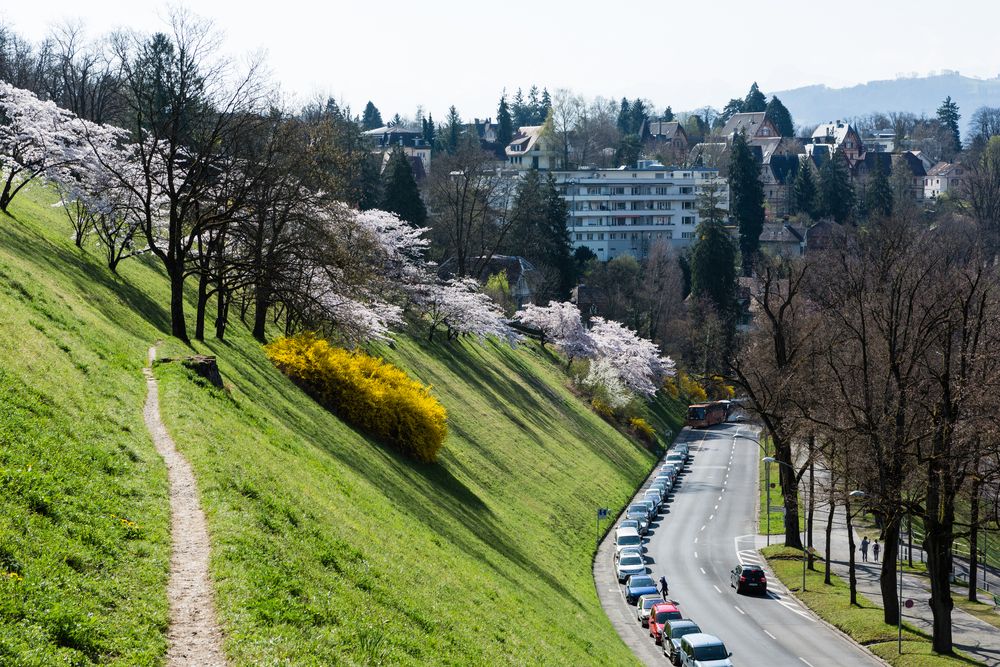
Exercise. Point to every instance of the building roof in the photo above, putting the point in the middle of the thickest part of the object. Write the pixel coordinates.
(911, 160)
(389, 129)
(663, 128)
(777, 232)
(709, 155)
(744, 122)
(943, 169)
(834, 130)
(524, 140)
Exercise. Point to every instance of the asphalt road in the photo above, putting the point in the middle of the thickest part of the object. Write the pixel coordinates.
(705, 530)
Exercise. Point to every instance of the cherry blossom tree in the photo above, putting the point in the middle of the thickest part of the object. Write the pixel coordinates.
(463, 308)
(634, 360)
(562, 325)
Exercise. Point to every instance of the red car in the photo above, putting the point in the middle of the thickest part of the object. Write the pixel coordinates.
(660, 614)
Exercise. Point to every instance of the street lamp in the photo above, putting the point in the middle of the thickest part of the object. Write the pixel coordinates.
(769, 460)
(899, 558)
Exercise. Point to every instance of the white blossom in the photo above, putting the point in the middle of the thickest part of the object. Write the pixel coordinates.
(462, 307)
(561, 324)
(635, 360)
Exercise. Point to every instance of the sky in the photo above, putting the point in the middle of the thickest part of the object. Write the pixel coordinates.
(438, 53)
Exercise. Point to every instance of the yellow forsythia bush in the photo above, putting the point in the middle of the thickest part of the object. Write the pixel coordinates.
(366, 391)
(642, 429)
(691, 388)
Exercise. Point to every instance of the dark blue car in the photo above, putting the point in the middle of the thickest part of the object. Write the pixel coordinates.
(639, 584)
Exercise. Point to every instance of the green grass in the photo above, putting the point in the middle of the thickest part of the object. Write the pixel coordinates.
(862, 623)
(777, 521)
(984, 612)
(328, 548)
(77, 584)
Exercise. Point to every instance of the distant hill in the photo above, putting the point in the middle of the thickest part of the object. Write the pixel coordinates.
(811, 105)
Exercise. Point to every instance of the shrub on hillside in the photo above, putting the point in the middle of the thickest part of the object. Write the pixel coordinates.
(366, 391)
(642, 430)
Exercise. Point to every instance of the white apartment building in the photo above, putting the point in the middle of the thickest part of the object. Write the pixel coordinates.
(624, 211)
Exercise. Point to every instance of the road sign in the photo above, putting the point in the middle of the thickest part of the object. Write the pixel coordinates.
(908, 604)
(602, 512)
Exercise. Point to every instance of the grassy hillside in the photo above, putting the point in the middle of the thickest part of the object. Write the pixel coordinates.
(327, 547)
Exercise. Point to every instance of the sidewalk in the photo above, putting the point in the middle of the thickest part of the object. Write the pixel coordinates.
(978, 639)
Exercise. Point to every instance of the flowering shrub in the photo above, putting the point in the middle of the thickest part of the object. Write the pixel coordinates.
(366, 391)
(692, 389)
(642, 429)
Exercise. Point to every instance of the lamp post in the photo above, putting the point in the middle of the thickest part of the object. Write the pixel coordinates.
(769, 460)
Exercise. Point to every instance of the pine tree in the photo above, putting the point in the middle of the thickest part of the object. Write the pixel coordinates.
(629, 150)
(733, 107)
(505, 124)
(746, 197)
(400, 194)
(453, 130)
(804, 191)
(713, 267)
(878, 194)
(638, 115)
(396, 121)
(522, 115)
(836, 194)
(534, 106)
(429, 130)
(369, 183)
(624, 117)
(948, 117)
(668, 115)
(545, 104)
(755, 101)
(558, 246)
(779, 115)
(371, 119)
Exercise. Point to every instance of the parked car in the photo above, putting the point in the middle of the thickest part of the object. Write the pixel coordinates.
(643, 605)
(673, 630)
(629, 523)
(655, 495)
(748, 579)
(703, 650)
(629, 565)
(666, 479)
(677, 458)
(638, 585)
(663, 488)
(640, 514)
(630, 551)
(659, 615)
(627, 537)
(652, 508)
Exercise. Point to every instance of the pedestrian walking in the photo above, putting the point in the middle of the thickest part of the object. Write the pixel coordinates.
(875, 550)
(664, 589)
(864, 549)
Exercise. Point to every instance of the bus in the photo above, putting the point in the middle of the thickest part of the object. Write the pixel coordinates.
(702, 415)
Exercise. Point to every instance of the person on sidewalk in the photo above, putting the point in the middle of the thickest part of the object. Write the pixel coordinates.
(875, 550)
(864, 549)
(664, 589)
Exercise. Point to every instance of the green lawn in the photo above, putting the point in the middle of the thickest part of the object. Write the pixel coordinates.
(777, 520)
(328, 548)
(862, 623)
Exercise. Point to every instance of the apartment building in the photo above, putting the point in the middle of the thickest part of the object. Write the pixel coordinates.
(624, 211)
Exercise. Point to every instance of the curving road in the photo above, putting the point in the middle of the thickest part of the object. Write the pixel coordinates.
(708, 526)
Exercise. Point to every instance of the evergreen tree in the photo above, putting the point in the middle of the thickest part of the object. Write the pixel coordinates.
(539, 230)
(534, 106)
(668, 115)
(545, 104)
(746, 197)
(878, 194)
(733, 107)
(369, 183)
(948, 117)
(505, 123)
(428, 130)
(624, 117)
(522, 115)
(453, 130)
(638, 115)
(371, 119)
(558, 251)
(755, 101)
(836, 194)
(400, 194)
(804, 191)
(629, 150)
(713, 267)
(779, 115)
(695, 128)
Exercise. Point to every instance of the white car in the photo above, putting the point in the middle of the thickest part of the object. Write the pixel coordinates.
(629, 565)
(627, 537)
(644, 605)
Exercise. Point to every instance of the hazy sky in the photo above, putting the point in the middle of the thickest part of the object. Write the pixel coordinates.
(687, 54)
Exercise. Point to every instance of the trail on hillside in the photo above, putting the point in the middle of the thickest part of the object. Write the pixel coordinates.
(193, 637)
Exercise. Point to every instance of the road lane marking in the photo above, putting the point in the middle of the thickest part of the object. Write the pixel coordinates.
(717, 590)
(805, 661)
(703, 527)
(695, 554)
(717, 507)
(696, 540)
(711, 517)
(739, 610)
(720, 498)
(702, 570)
(770, 635)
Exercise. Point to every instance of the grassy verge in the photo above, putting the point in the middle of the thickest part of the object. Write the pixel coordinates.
(776, 502)
(984, 612)
(862, 623)
(84, 535)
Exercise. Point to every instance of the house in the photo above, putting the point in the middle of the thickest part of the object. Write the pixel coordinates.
(783, 239)
(384, 139)
(779, 159)
(943, 178)
(838, 136)
(530, 149)
(863, 169)
(755, 125)
(666, 137)
(625, 211)
(915, 167)
(881, 141)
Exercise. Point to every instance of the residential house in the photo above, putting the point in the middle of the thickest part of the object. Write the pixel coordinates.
(915, 166)
(384, 139)
(838, 136)
(881, 141)
(779, 159)
(783, 239)
(624, 211)
(666, 138)
(943, 178)
(529, 149)
(754, 125)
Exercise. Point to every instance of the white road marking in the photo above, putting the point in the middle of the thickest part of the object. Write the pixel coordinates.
(739, 610)
(711, 517)
(805, 661)
(717, 590)
(696, 540)
(703, 527)
(702, 570)
(695, 554)
(770, 635)
(720, 498)
(716, 507)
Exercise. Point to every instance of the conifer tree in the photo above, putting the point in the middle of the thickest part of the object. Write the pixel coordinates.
(638, 115)
(836, 194)
(534, 106)
(522, 115)
(546, 104)
(779, 115)
(453, 130)
(400, 194)
(878, 195)
(746, 197)
(505, 124)
(624, 117)
(371, 119)
(804, 191)
(668, 115)
(755, 100)
(713, 267)
(948, 117)
(429, 130)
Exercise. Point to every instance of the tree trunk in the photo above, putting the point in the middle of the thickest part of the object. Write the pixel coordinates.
(852, 578)
(202, 306)
(811, 507)
(6, 196)
(222, 311)
(789, 493)
(829, 530)
(974, 541)
(178, 328)
(260, 313)
(887, 580)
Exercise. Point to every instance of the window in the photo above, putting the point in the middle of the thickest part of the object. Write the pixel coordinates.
(662, 191)
(617, 191)
(663, 206)
(658, 176)
(687, 235)
(686, 190)
(669, 234)
(600, 237)
(688, 220)
(688, 205)
(590, 237)
(579, 237)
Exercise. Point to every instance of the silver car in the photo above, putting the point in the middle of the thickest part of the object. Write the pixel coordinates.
(629, 565)
(643, 607)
